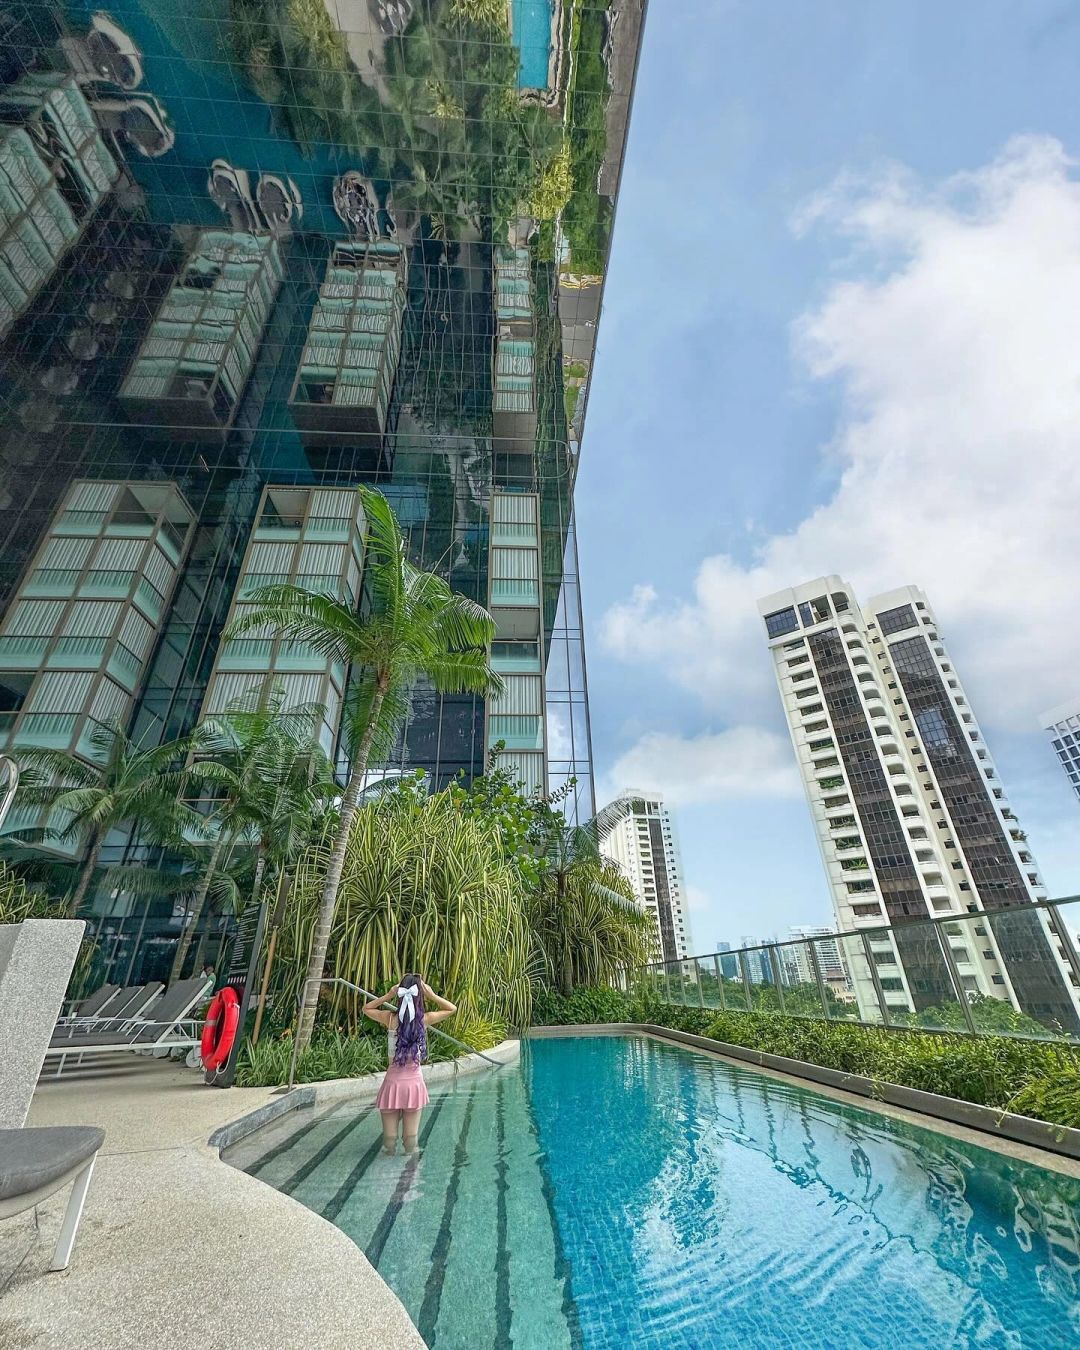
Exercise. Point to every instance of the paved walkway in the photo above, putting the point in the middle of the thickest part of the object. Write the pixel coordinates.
(176, 1248)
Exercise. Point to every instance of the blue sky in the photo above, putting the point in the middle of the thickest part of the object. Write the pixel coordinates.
(841, 333)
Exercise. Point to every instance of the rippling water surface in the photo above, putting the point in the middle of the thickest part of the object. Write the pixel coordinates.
(618, 1192)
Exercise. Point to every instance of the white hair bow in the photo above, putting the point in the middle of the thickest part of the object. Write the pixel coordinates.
(407, 994)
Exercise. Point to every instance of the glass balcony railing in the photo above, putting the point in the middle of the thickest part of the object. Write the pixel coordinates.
(75, 521)
(50, 730)
(113, 584)
(57, 581)
(1009, 972)
(17, 651)
(518, 732)
(150, 598)
(514, 592)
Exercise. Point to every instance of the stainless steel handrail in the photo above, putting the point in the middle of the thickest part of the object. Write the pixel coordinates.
(369, 995)
(9, 784)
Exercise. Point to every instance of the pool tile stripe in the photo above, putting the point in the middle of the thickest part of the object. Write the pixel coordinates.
(562, 1265)
(317, 1159)
(502, 1250)
(429, 1309)
(285, 1146)
(375, 1247)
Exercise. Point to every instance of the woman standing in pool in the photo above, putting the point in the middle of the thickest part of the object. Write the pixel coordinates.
(403, 1094)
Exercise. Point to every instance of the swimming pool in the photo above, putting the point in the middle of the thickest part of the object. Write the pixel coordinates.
(622, 1192)
(531, 27)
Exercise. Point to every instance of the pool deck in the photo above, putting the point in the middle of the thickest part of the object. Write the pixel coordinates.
(176, 1248)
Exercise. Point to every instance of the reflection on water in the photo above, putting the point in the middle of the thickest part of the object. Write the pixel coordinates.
(736, 1209)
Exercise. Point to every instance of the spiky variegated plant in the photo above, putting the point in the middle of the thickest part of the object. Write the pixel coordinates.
(414, 627)
(119, 783)
(583, 911)
(426, 888)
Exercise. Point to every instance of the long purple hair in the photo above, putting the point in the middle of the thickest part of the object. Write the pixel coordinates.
(410, 1046)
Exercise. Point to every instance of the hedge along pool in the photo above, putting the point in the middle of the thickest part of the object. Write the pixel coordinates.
(619, 1191)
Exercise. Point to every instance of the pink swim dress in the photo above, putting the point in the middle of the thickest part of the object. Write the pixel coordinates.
(403, 1088)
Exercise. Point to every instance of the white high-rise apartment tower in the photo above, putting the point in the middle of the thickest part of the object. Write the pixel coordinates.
(911, 816)
(644, 844)
(1063, 724)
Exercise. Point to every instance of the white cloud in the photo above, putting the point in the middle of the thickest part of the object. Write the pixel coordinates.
(740, 762)
(955, 343)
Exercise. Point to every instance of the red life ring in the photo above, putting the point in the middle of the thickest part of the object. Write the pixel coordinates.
(222, 1019)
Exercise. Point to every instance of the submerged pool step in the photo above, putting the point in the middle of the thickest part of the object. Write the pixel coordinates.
(543, 1315)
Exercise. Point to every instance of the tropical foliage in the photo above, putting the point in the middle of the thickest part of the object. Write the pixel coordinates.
(415, 627)
(83, 799)
(332, 1054)
(587, 217)
(422, 887)
(588, 924)
(265, 784)
(18, 901)
(446, 124)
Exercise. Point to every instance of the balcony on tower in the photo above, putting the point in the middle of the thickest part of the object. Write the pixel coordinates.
(516, 717)
(513, 377)
(347, 370)
(54, 170)
(307, 537)
(79, 633)
(192, 368)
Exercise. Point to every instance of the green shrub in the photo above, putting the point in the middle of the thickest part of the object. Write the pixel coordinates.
(331, 1054)
(479, 1032)
(1056, 1099)
(587, 1004)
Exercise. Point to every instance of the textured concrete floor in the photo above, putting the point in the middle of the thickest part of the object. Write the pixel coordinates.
(177, 1249)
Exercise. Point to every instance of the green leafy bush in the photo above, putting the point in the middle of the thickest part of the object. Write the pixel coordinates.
(331, 1054)
(587, 1004)
(1035, 1079)
(481, 1033)
(1055, 1098)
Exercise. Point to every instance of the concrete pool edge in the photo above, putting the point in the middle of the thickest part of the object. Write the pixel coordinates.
(341, 1089)
(1053, 1147)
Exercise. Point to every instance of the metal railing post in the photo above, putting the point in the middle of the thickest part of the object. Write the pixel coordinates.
(817, 976)
(774, 962)
(720, 982)
(950, 961)
(878, 990)
(744, 967)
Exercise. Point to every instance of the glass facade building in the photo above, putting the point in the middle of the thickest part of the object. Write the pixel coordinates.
(253, 254)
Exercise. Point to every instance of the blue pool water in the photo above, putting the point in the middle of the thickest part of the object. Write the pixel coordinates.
(531, 28)
(618, 1192)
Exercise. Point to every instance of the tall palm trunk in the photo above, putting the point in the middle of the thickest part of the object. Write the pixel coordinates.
(309, 994)
(89, 867)
(196, 909)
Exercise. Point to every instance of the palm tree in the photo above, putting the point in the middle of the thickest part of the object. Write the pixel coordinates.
(415, 627)
(260, 766)
(584, 913)
(121, 782)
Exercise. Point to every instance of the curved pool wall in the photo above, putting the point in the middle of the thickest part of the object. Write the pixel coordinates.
(622, 1191)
